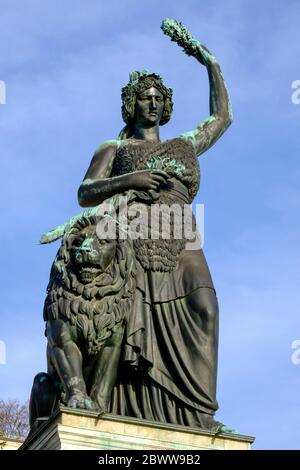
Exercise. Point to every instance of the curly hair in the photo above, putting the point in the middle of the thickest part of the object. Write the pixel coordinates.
(140, 81)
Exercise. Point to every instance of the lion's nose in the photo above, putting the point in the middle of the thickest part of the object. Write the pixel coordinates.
(86, 248)
(86, 253)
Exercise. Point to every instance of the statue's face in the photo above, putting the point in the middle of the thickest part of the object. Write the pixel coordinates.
(90, 255)
(149, 107)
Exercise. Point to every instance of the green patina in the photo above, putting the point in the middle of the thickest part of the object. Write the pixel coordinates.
(211, 118)
(62, 229)
(230, 112)
(207, 56)
(86, 242)
(226, 429)
(190, 135)
(90, 289)
(87, 182)
(54, 234)
(229, 106)
(191, 46)
(166, 164)
(135, 76)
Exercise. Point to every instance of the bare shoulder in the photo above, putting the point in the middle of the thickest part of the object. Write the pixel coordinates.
(102, 161)
(109, 147)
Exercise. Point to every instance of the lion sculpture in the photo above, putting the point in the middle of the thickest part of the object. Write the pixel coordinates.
(90, 292)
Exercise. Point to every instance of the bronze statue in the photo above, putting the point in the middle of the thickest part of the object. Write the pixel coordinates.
(163, 344)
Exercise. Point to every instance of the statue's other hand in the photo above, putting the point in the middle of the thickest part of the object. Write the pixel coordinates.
(147, 179)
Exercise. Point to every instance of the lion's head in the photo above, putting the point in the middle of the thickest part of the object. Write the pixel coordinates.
(92, 282)
(91, 256)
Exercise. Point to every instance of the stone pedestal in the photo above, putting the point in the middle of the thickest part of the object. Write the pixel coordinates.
(70, 429)
(10, 444)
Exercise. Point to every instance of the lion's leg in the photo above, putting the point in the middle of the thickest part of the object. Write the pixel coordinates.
(106, 368)
(67, 360)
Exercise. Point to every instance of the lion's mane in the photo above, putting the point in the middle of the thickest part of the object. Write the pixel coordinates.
(94, 308)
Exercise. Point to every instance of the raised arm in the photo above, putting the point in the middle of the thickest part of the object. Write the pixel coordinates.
(208, 131)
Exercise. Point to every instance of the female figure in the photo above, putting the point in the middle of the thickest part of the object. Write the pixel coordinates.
(170, 350)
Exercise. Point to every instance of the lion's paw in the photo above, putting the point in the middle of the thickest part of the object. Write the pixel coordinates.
(81, 401)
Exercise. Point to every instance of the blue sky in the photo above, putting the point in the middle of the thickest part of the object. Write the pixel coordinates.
(64, 63)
